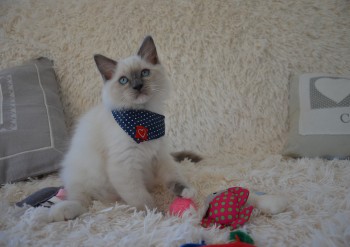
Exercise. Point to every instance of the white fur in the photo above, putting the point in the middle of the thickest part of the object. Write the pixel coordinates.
(104, 163)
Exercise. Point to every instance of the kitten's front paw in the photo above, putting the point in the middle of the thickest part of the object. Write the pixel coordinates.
(188, 192)
(66, 210)
(182, 190)
(149, 205)
(144, 203)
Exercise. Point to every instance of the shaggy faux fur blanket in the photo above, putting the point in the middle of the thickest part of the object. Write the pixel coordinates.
(229, 62)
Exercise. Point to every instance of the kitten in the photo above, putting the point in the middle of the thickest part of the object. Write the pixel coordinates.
(105, 162)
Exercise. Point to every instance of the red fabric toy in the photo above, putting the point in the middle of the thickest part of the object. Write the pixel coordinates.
(227, 209)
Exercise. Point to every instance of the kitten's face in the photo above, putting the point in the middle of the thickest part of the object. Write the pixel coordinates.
(135, 81)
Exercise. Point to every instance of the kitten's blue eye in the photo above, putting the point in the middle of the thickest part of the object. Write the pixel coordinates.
(145, 72)
(123, 80)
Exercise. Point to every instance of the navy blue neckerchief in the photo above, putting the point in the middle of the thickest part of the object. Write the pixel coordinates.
(140, 125)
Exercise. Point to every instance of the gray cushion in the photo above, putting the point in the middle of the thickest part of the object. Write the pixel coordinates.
(319, 116)
(32, 126)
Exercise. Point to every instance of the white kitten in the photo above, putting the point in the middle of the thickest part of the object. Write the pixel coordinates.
(104, 162)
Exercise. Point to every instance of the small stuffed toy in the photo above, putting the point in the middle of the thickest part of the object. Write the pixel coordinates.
(228, 208)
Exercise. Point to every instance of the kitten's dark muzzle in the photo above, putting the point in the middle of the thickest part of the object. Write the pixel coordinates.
(137, 85)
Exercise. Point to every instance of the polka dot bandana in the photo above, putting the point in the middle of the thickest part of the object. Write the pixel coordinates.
(227, 209)
(140, 125)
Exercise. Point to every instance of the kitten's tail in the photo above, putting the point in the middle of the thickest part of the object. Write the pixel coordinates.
(182, 155)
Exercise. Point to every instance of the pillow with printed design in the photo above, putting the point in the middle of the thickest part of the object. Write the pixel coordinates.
(319, 116)
(32, 127)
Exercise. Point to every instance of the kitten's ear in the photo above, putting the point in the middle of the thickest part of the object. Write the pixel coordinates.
(148, 51)
(106, 66)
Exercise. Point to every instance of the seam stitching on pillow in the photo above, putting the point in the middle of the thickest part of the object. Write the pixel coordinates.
(46, 106)
(25, 152)
(58, 150)
(1, 102)
(49, 122)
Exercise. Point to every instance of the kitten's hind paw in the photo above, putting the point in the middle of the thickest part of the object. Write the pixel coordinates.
(66, 210)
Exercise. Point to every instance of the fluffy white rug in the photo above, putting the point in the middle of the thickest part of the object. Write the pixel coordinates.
(229, 62)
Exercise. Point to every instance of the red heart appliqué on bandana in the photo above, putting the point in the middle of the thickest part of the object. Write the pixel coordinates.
(141, 132)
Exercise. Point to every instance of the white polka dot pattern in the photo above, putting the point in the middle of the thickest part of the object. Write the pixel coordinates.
(140, 125)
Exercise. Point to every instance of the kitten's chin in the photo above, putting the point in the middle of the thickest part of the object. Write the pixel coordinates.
(141, 99)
